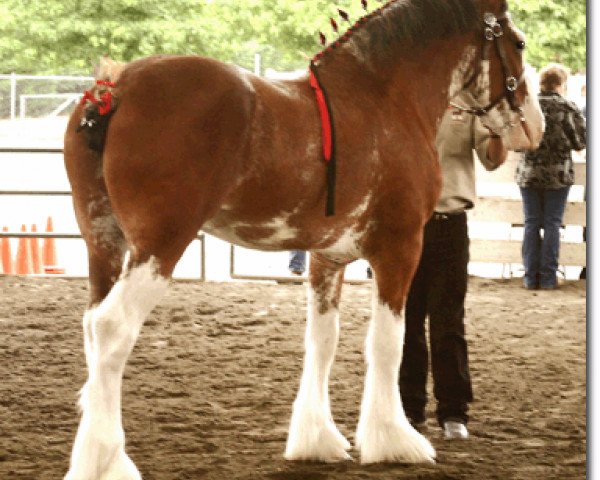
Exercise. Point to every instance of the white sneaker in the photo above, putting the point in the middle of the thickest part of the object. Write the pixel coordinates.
(455, 430)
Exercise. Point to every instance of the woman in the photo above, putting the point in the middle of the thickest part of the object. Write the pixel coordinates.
(545, 177)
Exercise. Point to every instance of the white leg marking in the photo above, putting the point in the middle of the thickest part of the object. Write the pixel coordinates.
(384, 433)
(110, 332)
(313, 434)
(88, 341)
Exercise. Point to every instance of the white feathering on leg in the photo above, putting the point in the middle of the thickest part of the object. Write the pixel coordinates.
(384, 433)
(111, 330)
(313, 434)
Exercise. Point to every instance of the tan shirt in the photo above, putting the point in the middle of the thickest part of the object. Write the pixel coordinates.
(460, 137)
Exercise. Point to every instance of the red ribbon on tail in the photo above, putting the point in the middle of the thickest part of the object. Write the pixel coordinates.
(104, 103)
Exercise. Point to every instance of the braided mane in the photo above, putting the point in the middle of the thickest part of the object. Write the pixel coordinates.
(416, 22)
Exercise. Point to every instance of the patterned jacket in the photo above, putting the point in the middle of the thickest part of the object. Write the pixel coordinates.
(551, 165)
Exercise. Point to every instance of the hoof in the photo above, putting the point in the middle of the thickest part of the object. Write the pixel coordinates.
(121, 468)
(393, 443)
(323, 443)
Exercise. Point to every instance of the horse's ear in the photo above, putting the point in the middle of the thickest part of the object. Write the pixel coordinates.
(108, 69)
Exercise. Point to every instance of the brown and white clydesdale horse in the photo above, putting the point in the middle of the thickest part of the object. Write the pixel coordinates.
(185, 143)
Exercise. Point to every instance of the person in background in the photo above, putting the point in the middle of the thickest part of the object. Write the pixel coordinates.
(297, 265)
(439, 286)
(545, 177)
(583, 274)
(582, 101)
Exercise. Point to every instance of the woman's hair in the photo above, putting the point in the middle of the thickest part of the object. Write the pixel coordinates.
(552, 76)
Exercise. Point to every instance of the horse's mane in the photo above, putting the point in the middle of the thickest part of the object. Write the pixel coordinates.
(419, 21)
(409, 22)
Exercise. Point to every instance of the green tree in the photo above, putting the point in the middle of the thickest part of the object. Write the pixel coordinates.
(67, 36)
(555, 29)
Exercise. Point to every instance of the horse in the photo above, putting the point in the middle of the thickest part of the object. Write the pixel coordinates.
(178, 144)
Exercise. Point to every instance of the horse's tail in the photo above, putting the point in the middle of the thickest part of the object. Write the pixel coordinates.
(99, 103)
(108, 69)
(83, 156)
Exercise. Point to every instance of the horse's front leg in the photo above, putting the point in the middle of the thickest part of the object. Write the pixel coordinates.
(112, 328)
(384, 433)
(313, 434)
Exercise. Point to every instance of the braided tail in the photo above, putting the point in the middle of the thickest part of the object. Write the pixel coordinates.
(99, 105)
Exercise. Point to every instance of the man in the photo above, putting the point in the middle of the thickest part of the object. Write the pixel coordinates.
(440, 284)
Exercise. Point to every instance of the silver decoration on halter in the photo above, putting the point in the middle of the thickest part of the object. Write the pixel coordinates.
(490, 19)
(512, 84)
(493, 29)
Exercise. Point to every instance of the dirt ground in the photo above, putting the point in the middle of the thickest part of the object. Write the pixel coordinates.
(209, 387)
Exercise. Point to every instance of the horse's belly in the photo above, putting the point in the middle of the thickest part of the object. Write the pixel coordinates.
(342, 246)
(273, 235)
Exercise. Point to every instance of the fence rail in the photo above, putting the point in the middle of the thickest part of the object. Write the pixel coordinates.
(14, 78)
(35, 193)
(30, 150)
(63, 193)
(510, 211)
(77, 236)
(489, 209)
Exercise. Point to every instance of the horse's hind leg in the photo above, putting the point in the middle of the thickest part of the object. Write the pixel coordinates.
(103, 236)
(113, 327)
(384, 433)
(313, 434)
(106, 248)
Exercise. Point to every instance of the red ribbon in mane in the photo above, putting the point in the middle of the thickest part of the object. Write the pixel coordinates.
(104, 103)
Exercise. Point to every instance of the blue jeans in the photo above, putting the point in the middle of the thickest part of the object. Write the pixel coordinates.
(297, 261)
(542, 209)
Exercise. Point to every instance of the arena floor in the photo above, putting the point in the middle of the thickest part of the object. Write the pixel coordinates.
(209, 387)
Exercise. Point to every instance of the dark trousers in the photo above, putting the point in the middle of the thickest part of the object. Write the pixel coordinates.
(438, 291)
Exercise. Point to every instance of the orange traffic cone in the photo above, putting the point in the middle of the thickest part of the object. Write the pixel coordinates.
(23, 263)
(6, 261)
(49, 252)
(36, 258)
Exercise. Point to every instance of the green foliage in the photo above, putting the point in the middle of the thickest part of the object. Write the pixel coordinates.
(555, 29)
(68, 36)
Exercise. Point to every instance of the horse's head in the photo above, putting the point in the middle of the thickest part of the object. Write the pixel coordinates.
(498, 91)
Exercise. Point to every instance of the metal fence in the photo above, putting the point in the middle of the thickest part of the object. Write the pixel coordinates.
(56, 93)
(67, 235)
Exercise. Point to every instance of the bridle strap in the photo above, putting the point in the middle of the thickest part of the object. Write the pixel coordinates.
(492, 32)
(508, 94)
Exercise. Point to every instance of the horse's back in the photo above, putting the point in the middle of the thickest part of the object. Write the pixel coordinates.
(198, 98)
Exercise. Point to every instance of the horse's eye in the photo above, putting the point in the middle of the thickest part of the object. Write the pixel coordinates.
(521, 45)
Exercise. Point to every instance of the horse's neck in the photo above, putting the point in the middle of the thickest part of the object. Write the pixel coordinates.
(417, 80)
(431, 77)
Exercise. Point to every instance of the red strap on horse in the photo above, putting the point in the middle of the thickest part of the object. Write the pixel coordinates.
(324, 112)
(104, 103)
(328, 136)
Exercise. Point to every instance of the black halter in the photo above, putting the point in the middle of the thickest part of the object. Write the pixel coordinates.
(493, 31)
